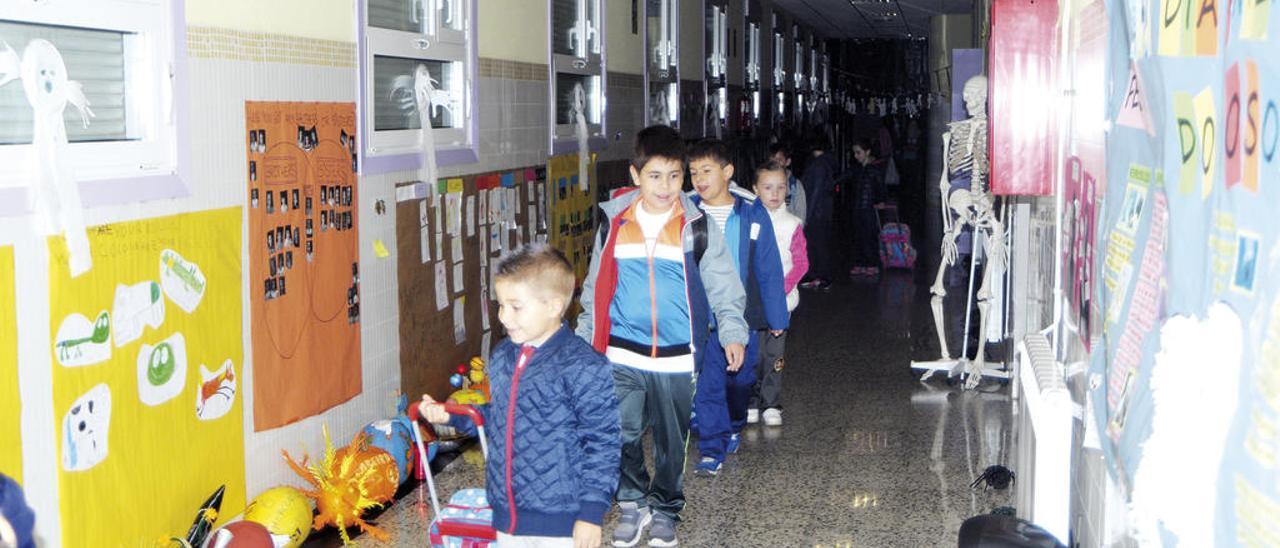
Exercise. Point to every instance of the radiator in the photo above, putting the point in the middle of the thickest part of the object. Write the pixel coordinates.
(1044, 427)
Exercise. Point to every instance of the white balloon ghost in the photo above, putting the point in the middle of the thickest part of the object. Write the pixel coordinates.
(424, 93)
(56, 196)
(584, 150)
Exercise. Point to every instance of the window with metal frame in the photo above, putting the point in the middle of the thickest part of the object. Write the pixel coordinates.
(577, 61)
(121, 53)
(813, 68)
(399, 36)
(662, 62)
(752, 73)
(717, 51)
(799, 69)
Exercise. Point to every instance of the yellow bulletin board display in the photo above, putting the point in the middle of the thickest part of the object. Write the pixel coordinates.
(571, 217)
(10, 407)
(147, 364)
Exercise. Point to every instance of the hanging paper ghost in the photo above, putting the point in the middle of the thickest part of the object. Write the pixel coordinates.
(425, 93)
(56, 194)
(584, 149)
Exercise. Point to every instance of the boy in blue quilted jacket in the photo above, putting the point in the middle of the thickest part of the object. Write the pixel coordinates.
(553, 427)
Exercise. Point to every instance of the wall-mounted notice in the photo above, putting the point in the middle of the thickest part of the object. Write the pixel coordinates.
(10, 408)
(304, 267)
(149, 432)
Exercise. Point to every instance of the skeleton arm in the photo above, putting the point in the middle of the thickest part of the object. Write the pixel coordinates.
(944, 184)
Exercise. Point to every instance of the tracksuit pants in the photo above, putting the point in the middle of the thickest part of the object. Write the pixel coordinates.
(661, 402)
(721, 399)
(768, 390)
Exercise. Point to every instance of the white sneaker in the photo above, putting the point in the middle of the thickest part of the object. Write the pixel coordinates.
(753, 416)
(773, 417)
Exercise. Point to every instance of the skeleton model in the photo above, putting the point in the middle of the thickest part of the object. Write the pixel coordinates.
(965, 150)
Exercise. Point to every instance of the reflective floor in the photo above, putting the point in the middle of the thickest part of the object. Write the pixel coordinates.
(867, 455)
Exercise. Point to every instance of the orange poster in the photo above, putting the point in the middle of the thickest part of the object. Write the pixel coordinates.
(304, 275)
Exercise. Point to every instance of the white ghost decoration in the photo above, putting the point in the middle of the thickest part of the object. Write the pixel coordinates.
(56, 195)
(584, 148)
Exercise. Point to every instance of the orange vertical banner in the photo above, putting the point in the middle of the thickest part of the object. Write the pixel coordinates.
(303, 258)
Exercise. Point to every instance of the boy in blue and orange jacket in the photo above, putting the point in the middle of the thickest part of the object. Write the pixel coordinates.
(658, 273)
(724, 391)
(553, 426)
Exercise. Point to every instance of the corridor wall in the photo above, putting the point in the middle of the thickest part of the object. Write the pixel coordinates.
(1168, 270)
(279, 57)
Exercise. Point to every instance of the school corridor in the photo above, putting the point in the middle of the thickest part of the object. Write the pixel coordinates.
(867, 455)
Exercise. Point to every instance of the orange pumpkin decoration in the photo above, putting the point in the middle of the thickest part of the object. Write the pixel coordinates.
(349, 482)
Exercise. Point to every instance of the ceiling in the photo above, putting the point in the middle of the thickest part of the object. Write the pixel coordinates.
(844, 19)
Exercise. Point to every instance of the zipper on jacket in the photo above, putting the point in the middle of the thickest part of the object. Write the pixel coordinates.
(526, 354)
(653, 308)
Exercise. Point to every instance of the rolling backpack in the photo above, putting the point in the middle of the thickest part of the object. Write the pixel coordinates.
(895, 240)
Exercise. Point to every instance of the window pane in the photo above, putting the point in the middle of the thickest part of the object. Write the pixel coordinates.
(564, 15)
(661, 39)
(452, 14)
(95, 59)
(664, 105)
(564, 97)
(402, 15)
(394, 106)
(593, 15)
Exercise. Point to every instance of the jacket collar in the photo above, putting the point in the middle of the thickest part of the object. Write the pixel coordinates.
(616, 206)
(562, 334)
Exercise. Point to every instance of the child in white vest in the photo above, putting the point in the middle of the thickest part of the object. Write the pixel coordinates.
(771, 187)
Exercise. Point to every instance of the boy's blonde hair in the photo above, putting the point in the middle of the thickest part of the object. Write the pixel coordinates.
(769, 166)
(541, 267)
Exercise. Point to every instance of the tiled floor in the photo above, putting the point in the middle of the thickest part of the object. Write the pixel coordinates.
(867, 455)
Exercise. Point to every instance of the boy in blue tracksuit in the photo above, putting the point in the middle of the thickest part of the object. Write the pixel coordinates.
(658, 273)
(724, 391)
(553, 425)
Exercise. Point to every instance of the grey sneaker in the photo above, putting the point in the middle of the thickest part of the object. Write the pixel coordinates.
(631, 524)
(663, 532)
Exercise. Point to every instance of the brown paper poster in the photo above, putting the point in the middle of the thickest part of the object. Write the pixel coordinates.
(304, 276)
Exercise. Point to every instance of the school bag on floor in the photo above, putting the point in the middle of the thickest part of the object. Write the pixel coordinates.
(895, 239)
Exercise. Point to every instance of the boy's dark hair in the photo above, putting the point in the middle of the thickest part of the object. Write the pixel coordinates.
(819, 142)
(659, 141)
(708, 149)
(780, 147)
(541, 267)
(864, 144)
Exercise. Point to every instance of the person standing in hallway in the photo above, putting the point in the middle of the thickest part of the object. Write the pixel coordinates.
(771, 187)
(553, 421)
(819, 188)
(659, 271)
(796, 203)
(864, 190)
(724, 392)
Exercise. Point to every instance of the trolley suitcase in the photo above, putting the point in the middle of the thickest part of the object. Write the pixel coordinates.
(895, 240)
(467, 520)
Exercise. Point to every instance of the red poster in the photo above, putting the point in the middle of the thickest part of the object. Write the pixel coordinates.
(1024, 95)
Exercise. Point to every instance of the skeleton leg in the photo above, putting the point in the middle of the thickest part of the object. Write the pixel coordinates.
(939, 292)
(994, 243)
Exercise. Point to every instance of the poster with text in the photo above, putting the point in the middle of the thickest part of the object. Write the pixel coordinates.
(147, 358)
(10, 407)
(304, 270)
(571, 211)
(1187, 378)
